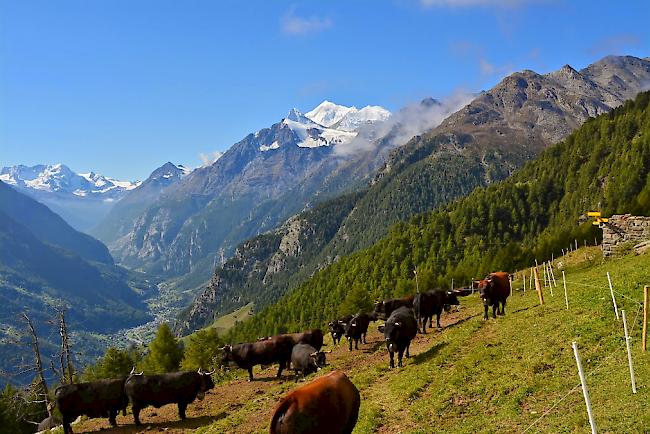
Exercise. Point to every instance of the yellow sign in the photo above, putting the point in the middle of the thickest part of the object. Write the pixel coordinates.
(597, 218)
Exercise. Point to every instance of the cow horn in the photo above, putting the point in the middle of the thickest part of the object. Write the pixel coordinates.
(135, 373)
(210, 373)
(200, 371)
(327, 352)
(397, 324)
(313, 354)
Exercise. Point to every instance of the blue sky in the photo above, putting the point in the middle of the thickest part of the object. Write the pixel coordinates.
(120, 87)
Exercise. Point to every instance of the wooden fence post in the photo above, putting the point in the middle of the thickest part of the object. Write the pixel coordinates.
(585, 391)
(538, 286)
(645, 316)
(611, 290)
(566, 296)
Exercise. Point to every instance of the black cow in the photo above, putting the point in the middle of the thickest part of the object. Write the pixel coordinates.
(313, 337)
(276, 349)
(337, 328)
(400, 328)
(431, 303)
(494, 291)
(357, 327)
(103, 398)
(384, 308)
(180, 388)
(306, 359)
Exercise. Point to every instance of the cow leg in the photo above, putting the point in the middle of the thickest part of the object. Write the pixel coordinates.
(136, 414)
(430, 321)
(503, 308)
(250, 374)
(495, 306)
(356, 343)
(350, 344)
(407, 350)
(67, 429)
(181, 409)
(391, 364)
(438, 320)
(400, 354)
(424, 325)
(485, 306)
(280, 369)
(364, 339)
(112, 414)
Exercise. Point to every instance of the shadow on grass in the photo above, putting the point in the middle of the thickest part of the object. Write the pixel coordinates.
(428, 354)
(189, 423)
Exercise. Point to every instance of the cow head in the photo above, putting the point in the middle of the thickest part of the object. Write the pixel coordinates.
(317, 360)
(484, 286)
(350, 328)
(379, 309)
(205, 384)
(226, 355)
(337, 328)
(392, 331)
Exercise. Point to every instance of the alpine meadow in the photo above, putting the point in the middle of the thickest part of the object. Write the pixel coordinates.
(421, 216)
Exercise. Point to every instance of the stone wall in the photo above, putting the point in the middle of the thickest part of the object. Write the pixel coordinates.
(623, 229)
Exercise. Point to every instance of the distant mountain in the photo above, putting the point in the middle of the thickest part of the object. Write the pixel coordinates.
(483, 142)
(121, 218)
(48, 227)
(45, 264)
(257, 184)
(80, 198)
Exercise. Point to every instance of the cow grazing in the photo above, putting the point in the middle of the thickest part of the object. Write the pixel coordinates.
(431, 303)
(180, 388)
(383, 309)
(306, 359)
(495, 290)
(327, 405)
(337, 328)
(357, 327)
(400, 328)
(276, 349)
(103, 398)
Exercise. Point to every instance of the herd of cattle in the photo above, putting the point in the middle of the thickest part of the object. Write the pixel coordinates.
(329, 404)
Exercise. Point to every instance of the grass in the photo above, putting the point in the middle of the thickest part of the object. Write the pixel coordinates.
(503, 375)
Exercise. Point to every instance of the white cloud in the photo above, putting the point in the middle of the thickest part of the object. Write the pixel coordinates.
(210, 158)
(412, 120)
(293, 24)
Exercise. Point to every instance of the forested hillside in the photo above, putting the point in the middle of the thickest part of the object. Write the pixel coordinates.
(603, 165)
(263, 268)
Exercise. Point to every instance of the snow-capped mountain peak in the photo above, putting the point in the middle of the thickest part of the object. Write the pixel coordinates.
(327, 113)
(59, 178)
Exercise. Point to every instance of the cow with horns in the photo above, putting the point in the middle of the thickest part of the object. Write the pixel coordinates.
(102, 398)
(430, 303)
(180, 388)
(494, 290)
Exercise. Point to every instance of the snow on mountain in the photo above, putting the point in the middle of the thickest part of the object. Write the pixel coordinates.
(327, 113)
(345, 118)
(312, 135)
(58, 178)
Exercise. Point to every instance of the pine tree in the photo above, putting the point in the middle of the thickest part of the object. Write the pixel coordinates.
(202, 348)
(165, 352)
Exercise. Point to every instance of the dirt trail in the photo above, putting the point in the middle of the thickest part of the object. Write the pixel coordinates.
(228, 399)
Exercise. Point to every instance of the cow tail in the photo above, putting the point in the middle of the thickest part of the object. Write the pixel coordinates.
(279, 414)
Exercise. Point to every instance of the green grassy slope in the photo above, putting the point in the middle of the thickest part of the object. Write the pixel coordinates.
(502, 375)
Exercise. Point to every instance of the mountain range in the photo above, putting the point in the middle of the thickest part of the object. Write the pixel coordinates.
(485, 141)
(82, 199)
(45, 265)
(258, 183)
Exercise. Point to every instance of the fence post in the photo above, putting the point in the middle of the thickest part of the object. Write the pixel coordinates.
(566, 296)
(538, 286)
(629, 352)
(645, 316)
(550, 282)
(585, 392)
(523, 275)
(611, 290)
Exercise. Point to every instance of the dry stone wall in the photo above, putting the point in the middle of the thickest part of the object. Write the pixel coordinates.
(623, 230)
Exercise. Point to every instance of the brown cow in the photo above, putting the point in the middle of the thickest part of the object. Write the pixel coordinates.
(327, 405)
(494, 290)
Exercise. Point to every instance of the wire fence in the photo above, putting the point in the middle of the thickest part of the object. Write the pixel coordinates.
(601, 364)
